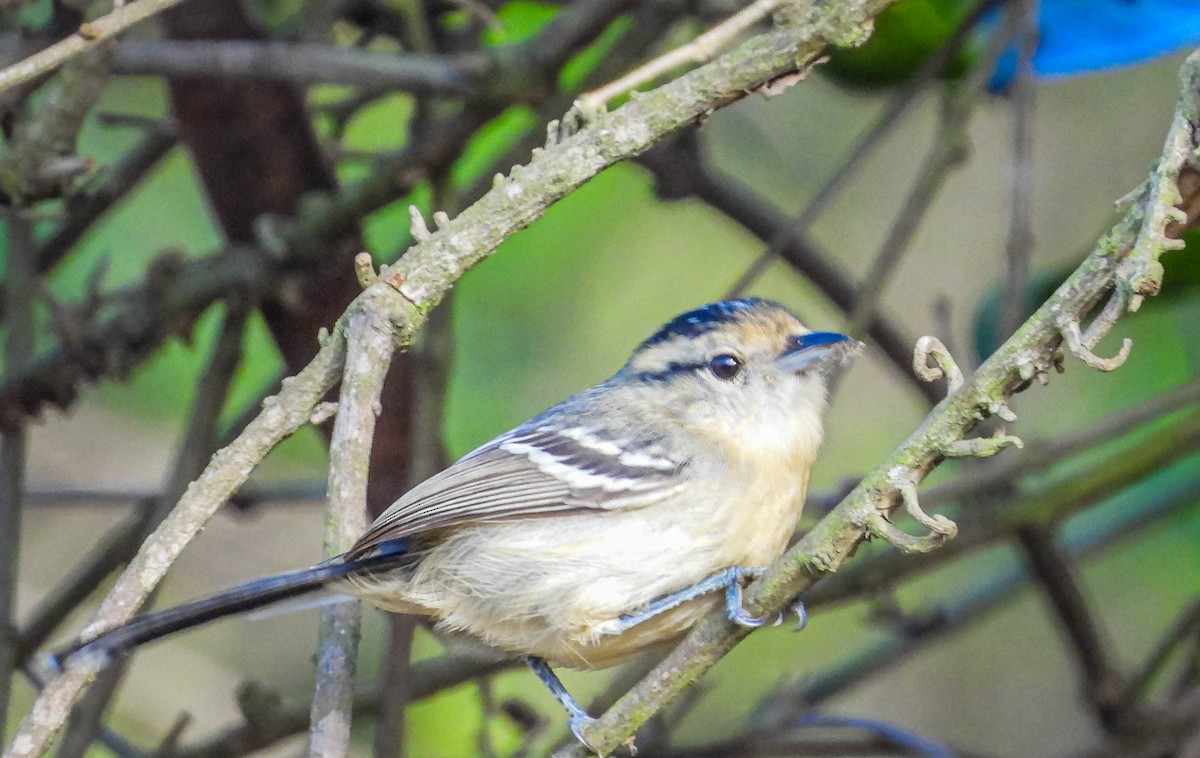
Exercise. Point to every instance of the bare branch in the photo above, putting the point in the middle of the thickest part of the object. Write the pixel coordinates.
(114, 550)
(892, 115)
(1184, 627)
(301, 63)
(197, 443)
(1037, 504)
(129, 325)
(40, 161)
(113, 183)
(698, 50)
(369, 348)
(1056, 577)
(1022, 17)
(89, 35)
(282, 415)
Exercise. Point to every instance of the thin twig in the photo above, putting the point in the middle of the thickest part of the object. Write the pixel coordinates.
(1022, 18)
(282, 415)
(114, 183)
(1041, 504)
(428, 678)
(1042, 455)
(114, 550)
(950, 147)
(891, 117)
(699, 50)
(89, 35)
(130, 324)
(301, 63)
(287, 492)
(21, 273)
(1057, 580)
(40, 161)
(427, 455)
(1184, 627)
(949, 150)
(950, 615)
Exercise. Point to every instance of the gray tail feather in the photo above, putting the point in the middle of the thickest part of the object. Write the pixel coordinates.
(246, 597)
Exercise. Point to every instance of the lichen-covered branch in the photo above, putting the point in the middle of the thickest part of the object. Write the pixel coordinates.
(1126, 258)
(1040, 505)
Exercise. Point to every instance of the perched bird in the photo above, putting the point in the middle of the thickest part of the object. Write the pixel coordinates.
(606, 525)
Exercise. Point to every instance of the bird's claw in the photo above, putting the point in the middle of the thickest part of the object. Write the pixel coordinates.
(577, 722)
(797, 607)
(740, 617)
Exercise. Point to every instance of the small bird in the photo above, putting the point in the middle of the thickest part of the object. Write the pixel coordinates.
(606, 525)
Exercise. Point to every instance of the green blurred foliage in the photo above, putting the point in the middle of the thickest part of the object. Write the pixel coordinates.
(518, 21)
(905, 35)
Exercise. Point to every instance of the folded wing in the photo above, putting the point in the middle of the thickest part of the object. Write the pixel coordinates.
(530, 473)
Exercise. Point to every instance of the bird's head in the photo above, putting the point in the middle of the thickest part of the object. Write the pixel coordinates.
(743, 373)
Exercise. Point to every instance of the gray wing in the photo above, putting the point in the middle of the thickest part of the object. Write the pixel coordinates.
(530, 473)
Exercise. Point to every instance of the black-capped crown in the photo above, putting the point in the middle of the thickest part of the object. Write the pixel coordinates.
(706, 318)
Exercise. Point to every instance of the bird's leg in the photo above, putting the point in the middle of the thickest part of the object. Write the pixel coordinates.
(577, 717)
(729, 580)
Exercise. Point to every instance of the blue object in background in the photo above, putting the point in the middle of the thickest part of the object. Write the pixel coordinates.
(1083, 36)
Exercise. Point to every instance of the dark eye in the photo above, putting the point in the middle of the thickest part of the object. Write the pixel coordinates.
(725, 366)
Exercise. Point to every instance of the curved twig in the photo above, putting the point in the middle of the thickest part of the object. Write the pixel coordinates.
(945, 366)
(1078, 346)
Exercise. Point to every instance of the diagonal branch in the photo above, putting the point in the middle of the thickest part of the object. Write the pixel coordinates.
(87, 37)
(954, 614)
(1057, 578)
(1126, 258)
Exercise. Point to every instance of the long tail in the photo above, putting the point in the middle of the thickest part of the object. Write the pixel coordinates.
(247, 597)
